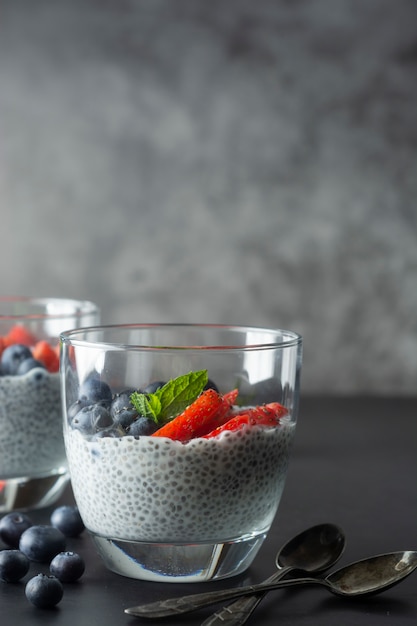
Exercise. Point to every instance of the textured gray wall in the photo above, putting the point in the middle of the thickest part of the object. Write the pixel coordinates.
(220, 161)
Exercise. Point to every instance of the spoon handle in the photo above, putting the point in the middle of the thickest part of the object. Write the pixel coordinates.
(186, 604)
(240, 610)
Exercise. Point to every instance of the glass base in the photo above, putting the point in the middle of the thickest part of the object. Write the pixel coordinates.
(26, 494)
(178, 563)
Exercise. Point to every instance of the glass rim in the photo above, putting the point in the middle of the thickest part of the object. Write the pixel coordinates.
(71, 337)
(80, 307)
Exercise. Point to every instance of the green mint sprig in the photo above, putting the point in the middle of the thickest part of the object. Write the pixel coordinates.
(170, 400)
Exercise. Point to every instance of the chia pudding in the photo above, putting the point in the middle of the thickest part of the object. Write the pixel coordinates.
(31, 441)
(160, 490)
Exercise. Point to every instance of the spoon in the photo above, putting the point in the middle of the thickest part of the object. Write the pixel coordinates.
(314, 550)
(364, 577)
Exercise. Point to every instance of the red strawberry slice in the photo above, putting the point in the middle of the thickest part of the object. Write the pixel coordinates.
(264, 415)
(46, 354)
(207, 412)
(19, 334)
(259, 411)
(231, 396)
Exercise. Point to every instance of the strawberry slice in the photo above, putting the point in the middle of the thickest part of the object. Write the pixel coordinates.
(264, 415)
(19, 334)
(231, 397)
(206, 413)
(46, 354)
(276, 408)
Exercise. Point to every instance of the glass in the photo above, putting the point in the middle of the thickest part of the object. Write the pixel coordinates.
(33, 467)
(172, 510)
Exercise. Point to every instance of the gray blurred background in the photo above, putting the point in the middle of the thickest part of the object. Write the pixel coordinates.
(220, 161)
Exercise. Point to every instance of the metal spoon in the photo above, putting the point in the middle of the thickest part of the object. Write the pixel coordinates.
(368, 576)
(314, 550)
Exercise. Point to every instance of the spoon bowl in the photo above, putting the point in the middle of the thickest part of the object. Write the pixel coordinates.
(368, 576)
(371, 575)
(314, 550)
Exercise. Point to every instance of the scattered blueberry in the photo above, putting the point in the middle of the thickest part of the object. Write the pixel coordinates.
(12, 526)
(142, 426)
(67, 566)
(44, 591)
(12, 357)
(91, 419)
(41, 543)
(27, 365)
(13, 565)
(154, 386)
(68, 520)
(93, 389)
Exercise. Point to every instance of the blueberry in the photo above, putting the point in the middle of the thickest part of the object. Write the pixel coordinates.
(12, 526)
(38, 376)
(154, 386)
(67, 567)
(121, 400)
(142, 426)
(44, 591)
(122, 410)
(211, 385)
(68, 520)
(112, 431)
(12, 358)
(13, 565)
(91, 419)
(125, 417)
(93, 389)
(265, 390)
(75, 407)
(27, 365)
(41, 543)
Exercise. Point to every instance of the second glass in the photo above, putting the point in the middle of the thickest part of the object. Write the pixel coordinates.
(33, 467)
(167, 492)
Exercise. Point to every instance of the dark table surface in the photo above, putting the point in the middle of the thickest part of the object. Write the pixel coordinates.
(354, 463)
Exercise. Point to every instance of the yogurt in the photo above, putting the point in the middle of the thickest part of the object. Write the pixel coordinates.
(161, 490)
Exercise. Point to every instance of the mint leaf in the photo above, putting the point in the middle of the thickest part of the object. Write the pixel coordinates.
(178, 393)
(147, 405)
(171, 399)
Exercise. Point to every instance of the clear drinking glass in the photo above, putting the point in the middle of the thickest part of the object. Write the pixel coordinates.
(33, 467)
(167, 509)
